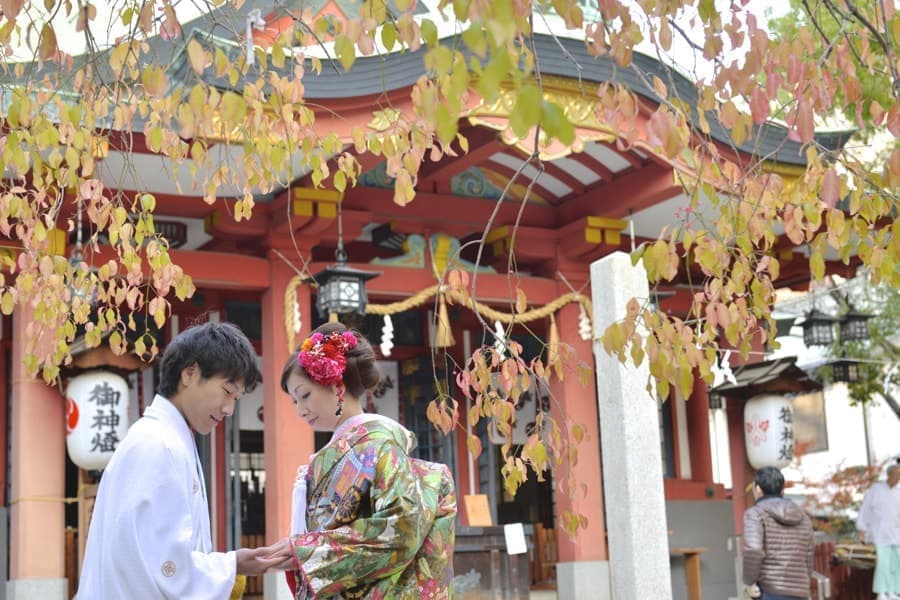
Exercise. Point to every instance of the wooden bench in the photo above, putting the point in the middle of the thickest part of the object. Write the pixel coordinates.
(691, 570)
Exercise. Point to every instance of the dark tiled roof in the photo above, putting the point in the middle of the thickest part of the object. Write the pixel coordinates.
(779, 376)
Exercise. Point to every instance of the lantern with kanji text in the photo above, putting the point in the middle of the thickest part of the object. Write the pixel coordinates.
(769, 431)
(96, 417)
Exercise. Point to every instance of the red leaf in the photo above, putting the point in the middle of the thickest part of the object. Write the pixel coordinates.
(11, 8)
(759, 105)
(893, 120)
(659, 129)
(794, 69)
(877, 112)
(171, 28)
(804, 124)
(831, 188)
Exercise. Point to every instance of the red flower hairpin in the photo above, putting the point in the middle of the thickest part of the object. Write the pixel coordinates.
(324, 358)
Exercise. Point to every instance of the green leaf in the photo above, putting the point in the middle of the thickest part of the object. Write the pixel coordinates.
(527, 110)
(389, 36)
(555, 123)
(474, 38)
(343, 47)
(429, 32)
(447, 126)
(461, 9)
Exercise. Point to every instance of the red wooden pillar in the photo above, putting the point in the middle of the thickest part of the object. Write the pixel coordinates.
(37, 467)
(287, 440)
(578, 404)
(698, 426)
(4, 411)
(739, 466)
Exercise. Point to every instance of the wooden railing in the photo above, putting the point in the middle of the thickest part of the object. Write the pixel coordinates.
(846, 583)
(543, 567)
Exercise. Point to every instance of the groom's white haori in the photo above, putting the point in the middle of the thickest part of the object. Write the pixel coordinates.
(150, 534)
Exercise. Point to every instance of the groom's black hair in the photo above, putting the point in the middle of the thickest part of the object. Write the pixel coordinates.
(218, 349)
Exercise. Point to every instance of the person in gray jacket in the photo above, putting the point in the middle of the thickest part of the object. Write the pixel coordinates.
(778, 542)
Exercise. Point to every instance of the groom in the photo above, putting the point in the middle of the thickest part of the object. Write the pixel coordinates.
(150, 532)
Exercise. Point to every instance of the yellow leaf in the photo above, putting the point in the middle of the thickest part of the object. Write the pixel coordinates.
(521, 301)
(197, 56)
(7, 303)
(474, 443)
(463, 143)
(340, 181)
(154, 80)
(47, 48)
(155, 139)
(659, 87)
(817, 265)
(220, 62)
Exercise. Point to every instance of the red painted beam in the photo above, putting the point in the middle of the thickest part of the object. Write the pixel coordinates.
(220, 223)
(435, 211)
(633, 192)
(217, 270)
(531, 243)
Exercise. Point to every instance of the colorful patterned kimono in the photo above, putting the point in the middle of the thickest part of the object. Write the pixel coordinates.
(378, 524)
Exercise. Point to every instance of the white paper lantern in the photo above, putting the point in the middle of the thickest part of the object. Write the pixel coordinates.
(769, 431)
(97, 417)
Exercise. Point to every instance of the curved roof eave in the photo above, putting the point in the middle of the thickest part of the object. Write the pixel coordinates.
(372, 75)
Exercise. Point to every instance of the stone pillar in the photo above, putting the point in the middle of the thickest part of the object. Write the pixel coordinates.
(37, 468)
(582, 570)
(629, 431)
(287, 440)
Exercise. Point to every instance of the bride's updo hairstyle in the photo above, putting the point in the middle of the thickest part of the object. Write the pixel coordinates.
(361, 372)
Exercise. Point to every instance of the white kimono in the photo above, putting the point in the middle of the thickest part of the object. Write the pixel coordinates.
(150, 535)
(879, 515)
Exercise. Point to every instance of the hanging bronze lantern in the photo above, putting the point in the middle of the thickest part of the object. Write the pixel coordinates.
(854, 326)
(818, 328)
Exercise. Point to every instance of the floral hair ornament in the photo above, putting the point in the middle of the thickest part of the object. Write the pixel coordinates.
(324, 358)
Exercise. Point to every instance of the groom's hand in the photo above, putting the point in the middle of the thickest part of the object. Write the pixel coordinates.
(282, 553)
(257, 561)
